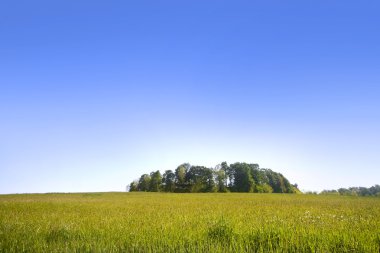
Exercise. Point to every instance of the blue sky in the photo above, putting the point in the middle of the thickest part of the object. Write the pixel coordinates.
(95, 93)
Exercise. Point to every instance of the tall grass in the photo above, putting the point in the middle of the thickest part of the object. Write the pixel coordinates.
(159, 222)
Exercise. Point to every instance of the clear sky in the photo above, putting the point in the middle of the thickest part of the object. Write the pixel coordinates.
(95, 93)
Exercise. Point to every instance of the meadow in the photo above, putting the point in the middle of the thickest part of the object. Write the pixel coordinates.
(170, 222)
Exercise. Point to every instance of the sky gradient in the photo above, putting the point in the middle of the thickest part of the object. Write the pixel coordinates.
(95, 93)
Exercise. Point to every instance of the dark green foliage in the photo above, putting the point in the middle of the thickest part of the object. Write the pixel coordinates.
(180, 178)
(243, 180)
(155, 181)
(168, 181)
(133, 187)
(237, 177)
(355, 191)
(221, 180)
(200, 179)
(144, 183)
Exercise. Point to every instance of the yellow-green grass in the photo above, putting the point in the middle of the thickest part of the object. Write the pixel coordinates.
(168, 222)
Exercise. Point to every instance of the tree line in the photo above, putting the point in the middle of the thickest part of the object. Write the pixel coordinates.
(237, 177)
(355, 191)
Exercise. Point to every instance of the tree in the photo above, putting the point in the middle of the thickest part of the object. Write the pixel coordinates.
(267, 188)
(208, 180)
(229, 174)
(243, 181)
(133, 187)
(200, 179)
(238, 177)
(375, 190)
(255, 172)
(194, 179)
(168, 181)
(144, 183)
(155, 181)
(279, 183)
(344, 191)
(180, 174)
(221, 180)
(355, 191)
(329, 192)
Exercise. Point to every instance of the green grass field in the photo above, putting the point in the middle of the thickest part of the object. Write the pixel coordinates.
(159, 222)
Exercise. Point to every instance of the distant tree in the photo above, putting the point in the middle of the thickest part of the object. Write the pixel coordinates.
(267, 188)
(289, 188)
(255, 172)
(208, 180)
(375, 190)
(229, 174)
(144, 183)
(263, 188)
(344, 191)
(243, 181)
(155, 181)
(355, 191)
(279, 183)
(329, 192)
(200, 179)
(168, 181)
(133, 187)
(221, 180)
(194, 178)
(180, 175)
(238, 177)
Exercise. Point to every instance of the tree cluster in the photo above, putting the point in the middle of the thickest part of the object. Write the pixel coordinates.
(355, 191)
(237, 177)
